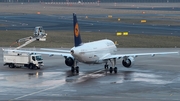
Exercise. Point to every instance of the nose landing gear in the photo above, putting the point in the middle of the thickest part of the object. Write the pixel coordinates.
(75, 69)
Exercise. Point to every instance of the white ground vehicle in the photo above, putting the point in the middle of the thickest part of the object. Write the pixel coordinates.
(18, 59)
(14, 59)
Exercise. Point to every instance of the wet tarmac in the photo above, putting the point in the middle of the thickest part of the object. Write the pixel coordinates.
(150, 79)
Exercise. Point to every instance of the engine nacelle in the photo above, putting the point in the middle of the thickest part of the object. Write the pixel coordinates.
(69, 61)
(128, 62)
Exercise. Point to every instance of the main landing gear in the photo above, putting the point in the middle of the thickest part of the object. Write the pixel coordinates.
(113, 68)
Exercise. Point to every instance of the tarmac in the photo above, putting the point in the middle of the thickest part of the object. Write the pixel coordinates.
(24, 17)
(150, 79)
(64, 22)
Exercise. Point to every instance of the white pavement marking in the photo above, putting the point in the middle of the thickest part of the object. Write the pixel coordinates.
(53, 86)
(39, 91)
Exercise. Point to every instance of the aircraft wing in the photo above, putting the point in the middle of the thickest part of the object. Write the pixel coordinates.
(118, 56)
(42, 52)
(55, 50)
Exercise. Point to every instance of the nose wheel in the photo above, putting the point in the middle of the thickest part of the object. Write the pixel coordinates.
(75, 69)
(106, 67)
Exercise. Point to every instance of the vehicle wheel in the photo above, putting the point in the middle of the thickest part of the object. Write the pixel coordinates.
(11, 65)
(31, 66)
(110, 69)
(115, 70)
(38, 67)
(77, 69)
(28, 66)
(35, 67)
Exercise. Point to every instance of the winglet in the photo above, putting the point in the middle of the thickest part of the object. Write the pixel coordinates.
(77, 37)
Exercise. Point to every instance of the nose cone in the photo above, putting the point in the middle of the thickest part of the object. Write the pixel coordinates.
(74, 52)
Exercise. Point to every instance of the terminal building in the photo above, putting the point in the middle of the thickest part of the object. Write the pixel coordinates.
(101, 1)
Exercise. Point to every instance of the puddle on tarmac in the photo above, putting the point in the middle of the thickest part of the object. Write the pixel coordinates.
(36, 74)
(70, 74)
(48, 83)
(152, 81)
(28, 80)
(83, 78)
(142, 77)
(88, 77)
(21, 78)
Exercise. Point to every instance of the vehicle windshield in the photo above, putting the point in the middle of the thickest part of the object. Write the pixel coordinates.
(38, 58)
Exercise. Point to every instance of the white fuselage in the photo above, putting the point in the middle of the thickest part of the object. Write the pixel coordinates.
(92, 52)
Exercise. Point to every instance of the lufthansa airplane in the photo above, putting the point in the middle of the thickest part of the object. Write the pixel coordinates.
(96, 52)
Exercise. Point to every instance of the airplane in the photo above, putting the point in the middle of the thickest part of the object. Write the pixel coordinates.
(96, 52)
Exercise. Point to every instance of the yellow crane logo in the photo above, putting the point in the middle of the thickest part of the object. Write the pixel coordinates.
(76, 30)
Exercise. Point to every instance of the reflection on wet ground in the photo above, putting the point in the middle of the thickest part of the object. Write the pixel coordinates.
(57, 82)
(123, 76)
(36, 74)
(69, 83)
(70, 74)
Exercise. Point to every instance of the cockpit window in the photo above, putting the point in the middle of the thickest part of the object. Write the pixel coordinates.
(38, 58)
(109, 43)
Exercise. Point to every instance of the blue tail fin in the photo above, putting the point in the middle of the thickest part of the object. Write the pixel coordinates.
(77, 37)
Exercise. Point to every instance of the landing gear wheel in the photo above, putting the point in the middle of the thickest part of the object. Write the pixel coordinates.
(115, 70)
(72, 69)
(77, 69)
(110, 69)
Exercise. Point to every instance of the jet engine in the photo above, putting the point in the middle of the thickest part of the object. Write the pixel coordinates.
(69, 61)
(128, 62)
